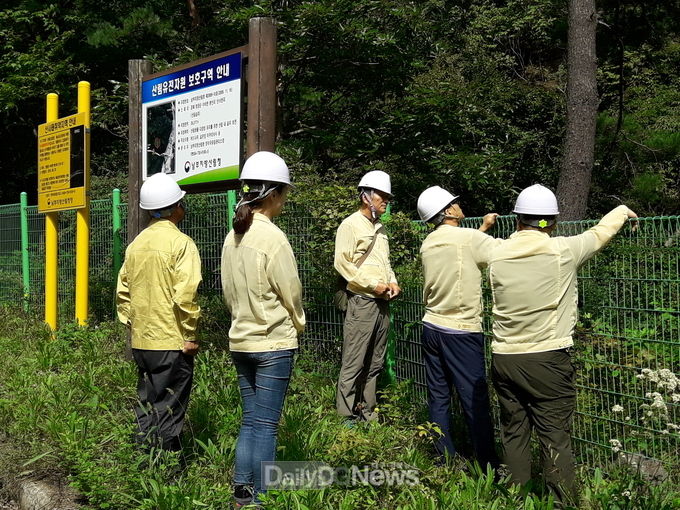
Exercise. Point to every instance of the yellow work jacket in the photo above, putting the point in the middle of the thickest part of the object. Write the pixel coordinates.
(533, 281)
(261, 289)
(452, 259)
(352, 239)
(157, 288)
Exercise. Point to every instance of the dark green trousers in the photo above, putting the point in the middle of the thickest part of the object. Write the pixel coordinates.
(537, 391)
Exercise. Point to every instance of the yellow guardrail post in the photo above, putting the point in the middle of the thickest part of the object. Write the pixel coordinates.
(83, 219)
(51, 238)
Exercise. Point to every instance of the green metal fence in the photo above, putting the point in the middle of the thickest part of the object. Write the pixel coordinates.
(10, 252)
(629, 305)
(629, 300)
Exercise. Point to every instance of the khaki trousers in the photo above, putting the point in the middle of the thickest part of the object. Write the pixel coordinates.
(537, 391)
(363, 355)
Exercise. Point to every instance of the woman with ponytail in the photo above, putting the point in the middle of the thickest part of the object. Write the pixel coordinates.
(263, 294)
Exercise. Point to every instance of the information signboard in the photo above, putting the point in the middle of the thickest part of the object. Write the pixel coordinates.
(63, 164)
(191, 121)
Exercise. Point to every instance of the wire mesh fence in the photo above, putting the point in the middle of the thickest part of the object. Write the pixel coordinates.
(10, 253)
(629, 300)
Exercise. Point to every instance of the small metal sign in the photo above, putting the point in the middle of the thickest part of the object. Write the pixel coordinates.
(63, 164)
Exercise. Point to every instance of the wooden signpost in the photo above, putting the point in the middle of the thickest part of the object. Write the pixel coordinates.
(200, 148)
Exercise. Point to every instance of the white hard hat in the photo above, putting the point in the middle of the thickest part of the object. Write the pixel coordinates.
(536, 200)
(265, 166)
(376, 179)
(432, 201)
(158, 192)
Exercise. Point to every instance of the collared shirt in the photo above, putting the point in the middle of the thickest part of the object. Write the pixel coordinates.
(533, 281)
(353, 238)
(262, 289)
(157, 288)
(452, 259)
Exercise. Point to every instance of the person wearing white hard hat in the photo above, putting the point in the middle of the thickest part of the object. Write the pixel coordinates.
(263, 294)
(535, 295)
(362, 259)
(453, 340)
(157, 298)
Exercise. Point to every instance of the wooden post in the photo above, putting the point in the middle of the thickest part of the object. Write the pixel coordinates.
(136, 221)
(261, 85)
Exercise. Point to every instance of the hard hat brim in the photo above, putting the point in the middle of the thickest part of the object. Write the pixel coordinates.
(163, 204)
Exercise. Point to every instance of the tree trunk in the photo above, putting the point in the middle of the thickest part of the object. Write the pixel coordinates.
(582, 104)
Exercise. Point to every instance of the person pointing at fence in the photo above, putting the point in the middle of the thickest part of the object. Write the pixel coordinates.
(157, 298)
(534, 287)
(362, 259)
(453, 341)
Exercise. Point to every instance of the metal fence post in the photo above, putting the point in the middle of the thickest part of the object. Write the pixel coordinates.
(51, 240)
(25, 266)
(83, 220)
(391, 350)
(117, 241)
(231, 208)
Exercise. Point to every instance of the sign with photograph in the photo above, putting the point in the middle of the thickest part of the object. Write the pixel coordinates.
(63, 164)
(191, 121)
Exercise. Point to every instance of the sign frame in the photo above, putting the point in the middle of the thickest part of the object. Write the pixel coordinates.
(210, 186)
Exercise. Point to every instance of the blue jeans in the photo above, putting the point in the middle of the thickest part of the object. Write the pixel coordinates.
(457, 360)
(263, 379)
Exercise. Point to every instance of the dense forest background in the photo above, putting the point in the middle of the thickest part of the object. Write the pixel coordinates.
(466, 94)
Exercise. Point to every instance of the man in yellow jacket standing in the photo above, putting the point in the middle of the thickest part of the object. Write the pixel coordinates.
(362, 258)
(157, 299)
(533, 280)
(453, 341)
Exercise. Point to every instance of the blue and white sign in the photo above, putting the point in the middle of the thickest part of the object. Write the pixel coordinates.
(191, 122)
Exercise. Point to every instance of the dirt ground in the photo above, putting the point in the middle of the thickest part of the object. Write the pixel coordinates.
(8, 505)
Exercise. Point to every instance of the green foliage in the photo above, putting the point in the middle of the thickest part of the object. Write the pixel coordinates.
(625, 491)
(139, 23)
(640, 151)
(468, 95)
(66, 406)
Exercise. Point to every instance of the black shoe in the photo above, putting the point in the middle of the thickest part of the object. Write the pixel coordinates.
(243, 495)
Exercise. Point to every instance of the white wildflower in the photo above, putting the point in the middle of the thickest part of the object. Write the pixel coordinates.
(626, 494)
(617, 409)
(616, 445)
(664, 379)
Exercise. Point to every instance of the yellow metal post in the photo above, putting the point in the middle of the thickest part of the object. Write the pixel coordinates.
(51, 239)
(83, 219)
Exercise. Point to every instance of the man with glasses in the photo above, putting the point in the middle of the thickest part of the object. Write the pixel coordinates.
(453, 340)
(362, 259)
(157, 299)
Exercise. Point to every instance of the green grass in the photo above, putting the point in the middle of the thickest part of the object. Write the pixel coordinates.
(66, 407)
